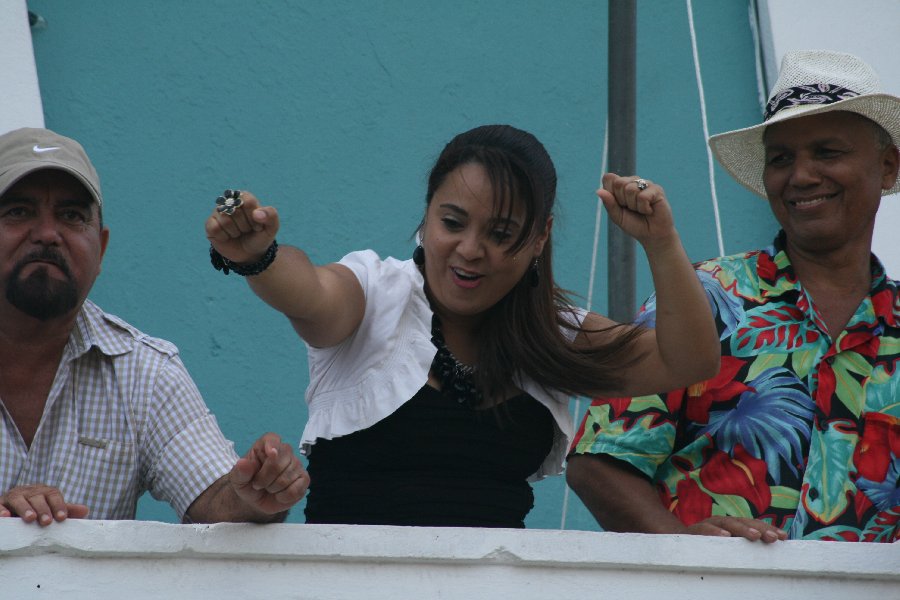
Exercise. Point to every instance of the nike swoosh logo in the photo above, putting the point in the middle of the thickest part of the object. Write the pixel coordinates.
(40, 150)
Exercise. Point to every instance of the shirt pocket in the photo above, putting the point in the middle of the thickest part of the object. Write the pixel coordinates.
(102, 474)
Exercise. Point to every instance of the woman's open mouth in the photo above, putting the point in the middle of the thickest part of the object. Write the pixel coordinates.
(466, 279)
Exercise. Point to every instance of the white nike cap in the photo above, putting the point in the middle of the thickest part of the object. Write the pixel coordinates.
(27, 150)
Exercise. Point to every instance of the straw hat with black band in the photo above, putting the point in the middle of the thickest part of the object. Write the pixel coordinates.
(810, 82)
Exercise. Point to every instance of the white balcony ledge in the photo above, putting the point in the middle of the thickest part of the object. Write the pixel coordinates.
(137, 560)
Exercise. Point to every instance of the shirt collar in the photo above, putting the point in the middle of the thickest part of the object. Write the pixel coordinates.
(777, 277)
(92, 330)
(775, 271)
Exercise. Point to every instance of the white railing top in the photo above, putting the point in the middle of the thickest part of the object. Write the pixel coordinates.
(135, 559)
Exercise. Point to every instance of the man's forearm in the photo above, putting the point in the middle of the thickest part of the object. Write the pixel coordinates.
(619, 499)
(219, 503)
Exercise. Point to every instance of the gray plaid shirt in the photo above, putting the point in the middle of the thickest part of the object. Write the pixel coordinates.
(123, 416)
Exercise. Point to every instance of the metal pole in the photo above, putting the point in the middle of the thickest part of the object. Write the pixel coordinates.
(621, 111)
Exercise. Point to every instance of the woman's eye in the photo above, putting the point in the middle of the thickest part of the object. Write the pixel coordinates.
(451, 224)
(501, 235)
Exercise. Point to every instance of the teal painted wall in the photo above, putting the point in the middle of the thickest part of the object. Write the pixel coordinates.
(333, 111)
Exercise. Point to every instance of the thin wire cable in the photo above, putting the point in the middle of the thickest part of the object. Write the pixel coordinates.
(709, 156)
(598, 219)
(761, 87)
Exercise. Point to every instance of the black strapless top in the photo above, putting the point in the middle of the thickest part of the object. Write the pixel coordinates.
(433, 462)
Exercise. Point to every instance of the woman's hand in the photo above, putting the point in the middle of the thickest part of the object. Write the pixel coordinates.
(324, 304)
(644, 214)
(246, 234)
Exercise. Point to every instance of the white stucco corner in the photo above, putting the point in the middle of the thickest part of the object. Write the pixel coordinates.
(20, 105)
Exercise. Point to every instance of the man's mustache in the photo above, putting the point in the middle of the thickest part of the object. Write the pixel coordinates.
(48, 255)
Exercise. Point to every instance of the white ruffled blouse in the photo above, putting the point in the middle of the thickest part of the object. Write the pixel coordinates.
(385, 362)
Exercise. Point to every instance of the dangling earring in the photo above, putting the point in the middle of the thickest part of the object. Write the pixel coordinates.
(419, 255)
(534, 277)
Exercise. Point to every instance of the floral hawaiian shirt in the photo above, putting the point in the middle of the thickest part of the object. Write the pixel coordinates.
(798, 429)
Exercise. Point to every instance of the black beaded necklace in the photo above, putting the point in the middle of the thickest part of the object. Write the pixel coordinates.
(456, 378)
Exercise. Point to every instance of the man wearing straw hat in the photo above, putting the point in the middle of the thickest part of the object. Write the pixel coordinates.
(798, 436)
(92, 411)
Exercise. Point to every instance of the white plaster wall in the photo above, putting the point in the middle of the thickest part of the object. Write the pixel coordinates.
(20, 102)
(138, 560)
(870, 29)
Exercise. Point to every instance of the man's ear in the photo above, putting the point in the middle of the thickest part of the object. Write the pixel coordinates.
(891, 164)
(104, 240)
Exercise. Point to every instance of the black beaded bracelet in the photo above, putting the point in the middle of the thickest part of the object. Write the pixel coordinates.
(225, 265)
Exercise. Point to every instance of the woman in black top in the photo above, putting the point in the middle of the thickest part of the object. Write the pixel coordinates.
(439, 385)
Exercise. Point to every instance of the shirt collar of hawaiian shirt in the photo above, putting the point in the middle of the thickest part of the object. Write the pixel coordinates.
(92, 330)
(777, 277)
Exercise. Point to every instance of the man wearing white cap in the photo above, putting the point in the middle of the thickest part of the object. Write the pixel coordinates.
(798, 436)
(92, 411)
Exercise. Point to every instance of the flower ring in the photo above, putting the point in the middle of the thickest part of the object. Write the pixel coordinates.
(642, 184)
(229, 201)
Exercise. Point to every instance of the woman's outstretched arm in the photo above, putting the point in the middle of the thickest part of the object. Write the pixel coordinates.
(325, 304)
